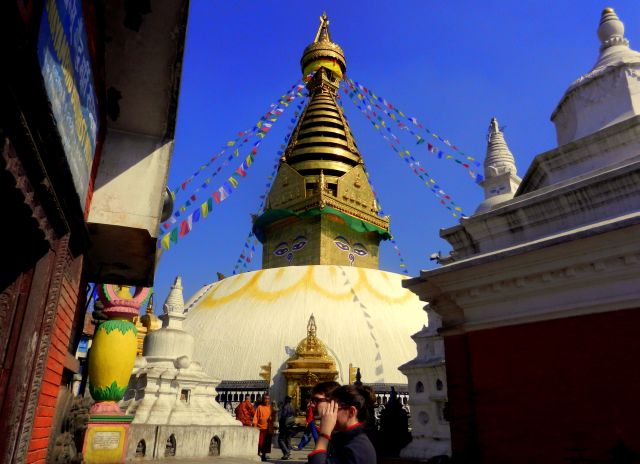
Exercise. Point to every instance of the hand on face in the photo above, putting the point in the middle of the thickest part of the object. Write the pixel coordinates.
(328, 416)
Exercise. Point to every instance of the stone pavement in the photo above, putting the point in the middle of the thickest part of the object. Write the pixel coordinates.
(297, 457)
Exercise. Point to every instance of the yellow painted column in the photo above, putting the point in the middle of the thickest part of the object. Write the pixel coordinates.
(111, 360)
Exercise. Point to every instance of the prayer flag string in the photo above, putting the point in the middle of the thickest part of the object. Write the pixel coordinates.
(395, 144)
(379, 120)
(249, 247)
(379, 367)
(221, 194)
(242, 136)
(381, 213)
(276, 110)
(396, 115)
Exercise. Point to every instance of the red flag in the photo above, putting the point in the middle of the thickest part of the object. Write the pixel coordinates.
(184, 228)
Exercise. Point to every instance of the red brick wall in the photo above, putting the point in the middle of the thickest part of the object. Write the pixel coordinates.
(51, 382)
(555, 392)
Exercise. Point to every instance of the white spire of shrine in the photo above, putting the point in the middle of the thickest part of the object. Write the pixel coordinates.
(499, 158)
(174, 306)
(500, 172)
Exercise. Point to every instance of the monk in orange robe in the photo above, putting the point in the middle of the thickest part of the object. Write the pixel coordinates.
(245, 411)
(264, 421)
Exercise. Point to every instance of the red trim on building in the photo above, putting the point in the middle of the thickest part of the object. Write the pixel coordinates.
(555, 391)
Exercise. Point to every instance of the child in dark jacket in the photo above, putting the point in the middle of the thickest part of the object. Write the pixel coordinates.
(342, 439)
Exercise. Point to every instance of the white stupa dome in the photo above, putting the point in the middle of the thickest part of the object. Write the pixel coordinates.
(364, 317)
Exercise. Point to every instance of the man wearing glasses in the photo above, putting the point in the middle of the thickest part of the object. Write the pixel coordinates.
(319, 394)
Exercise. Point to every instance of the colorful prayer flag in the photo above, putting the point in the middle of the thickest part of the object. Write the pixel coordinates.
(165, 241)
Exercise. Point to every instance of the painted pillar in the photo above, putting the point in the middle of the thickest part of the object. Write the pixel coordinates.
(113, 353)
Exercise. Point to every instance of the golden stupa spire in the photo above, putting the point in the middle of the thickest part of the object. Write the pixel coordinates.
(321, 209)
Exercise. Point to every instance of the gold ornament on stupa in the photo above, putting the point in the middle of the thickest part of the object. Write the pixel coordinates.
(146, 324)
(322, 52)
(310, 364)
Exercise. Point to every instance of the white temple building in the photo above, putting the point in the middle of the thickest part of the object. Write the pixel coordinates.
(173, 399)
(542, 289)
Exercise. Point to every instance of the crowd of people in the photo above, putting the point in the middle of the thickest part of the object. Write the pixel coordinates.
(341, 437)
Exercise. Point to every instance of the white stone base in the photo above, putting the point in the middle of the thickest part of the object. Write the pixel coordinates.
(192, 441)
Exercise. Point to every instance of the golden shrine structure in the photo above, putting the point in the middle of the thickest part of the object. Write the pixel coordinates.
(309, 365)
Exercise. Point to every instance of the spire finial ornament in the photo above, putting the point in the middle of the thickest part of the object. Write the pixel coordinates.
(611, 30)
(311, 327)
(150, 305)
(323, 52)
(493, 128)
(323, 30)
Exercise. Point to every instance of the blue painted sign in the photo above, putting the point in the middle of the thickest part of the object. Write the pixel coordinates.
(65, 64)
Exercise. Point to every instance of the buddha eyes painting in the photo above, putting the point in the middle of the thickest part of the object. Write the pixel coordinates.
(342, 243)
(357, 249)
(281, 249)
(287, 250)
(298, 243)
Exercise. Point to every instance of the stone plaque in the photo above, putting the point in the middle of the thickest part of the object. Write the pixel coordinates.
(106, 440)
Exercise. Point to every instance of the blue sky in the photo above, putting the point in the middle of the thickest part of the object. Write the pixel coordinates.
(453, 65)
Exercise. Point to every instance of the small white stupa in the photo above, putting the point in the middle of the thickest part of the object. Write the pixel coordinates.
(173, 400)
(430, 431)
(609, 93)
(500, 173)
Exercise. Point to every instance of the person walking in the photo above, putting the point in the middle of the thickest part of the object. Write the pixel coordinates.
(286, 422)
(319, 394)
(311, 430)
(264, 422)
(342, 425)
(245, 411)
